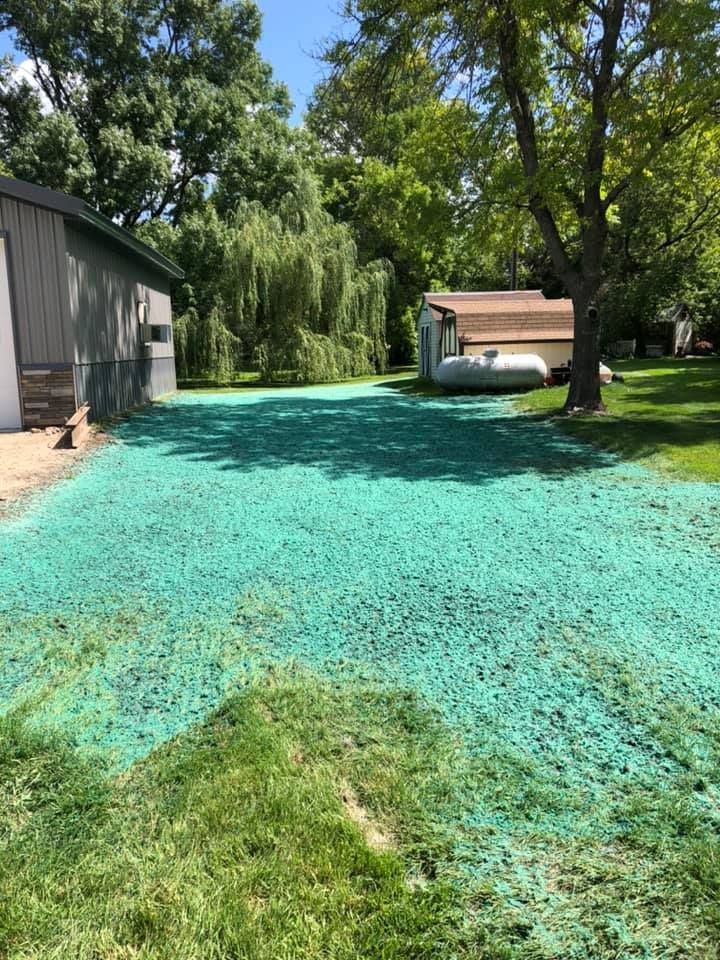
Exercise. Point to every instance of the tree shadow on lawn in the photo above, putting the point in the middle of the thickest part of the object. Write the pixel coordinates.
(674, 383)
(685, 391)
(462, 439)
(639, 436)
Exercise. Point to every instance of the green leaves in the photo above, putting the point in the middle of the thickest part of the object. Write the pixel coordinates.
(300, 298)
(132, 105)
(394, 163)
(566, 106)
(279, 286)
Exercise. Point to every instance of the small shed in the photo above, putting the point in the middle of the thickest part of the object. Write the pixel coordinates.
(513, 321)
(671, 333)
(85, 312)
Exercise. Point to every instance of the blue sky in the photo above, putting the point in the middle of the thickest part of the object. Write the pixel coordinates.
(292, 32)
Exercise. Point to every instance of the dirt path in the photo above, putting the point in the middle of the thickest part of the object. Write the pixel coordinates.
(31, 460)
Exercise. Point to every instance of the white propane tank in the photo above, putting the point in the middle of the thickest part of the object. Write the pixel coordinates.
(605, 374)
(492, 371)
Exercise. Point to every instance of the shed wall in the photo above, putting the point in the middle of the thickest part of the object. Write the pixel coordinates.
(38, 273)
(555, 353)
(105, 286)
(426, 318)
(118, 385)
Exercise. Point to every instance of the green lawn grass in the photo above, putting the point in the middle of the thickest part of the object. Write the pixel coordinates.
(309, 820)
(273, 831)
(415, 387)
(251, 380)
(666, 415)
(236, 840)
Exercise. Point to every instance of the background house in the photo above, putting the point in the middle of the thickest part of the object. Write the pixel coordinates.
(516, 321)
(85, 311)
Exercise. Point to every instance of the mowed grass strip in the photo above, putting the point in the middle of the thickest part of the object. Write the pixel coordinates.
(248, 837)
(251, 380)
(317, 820)
(665, 415)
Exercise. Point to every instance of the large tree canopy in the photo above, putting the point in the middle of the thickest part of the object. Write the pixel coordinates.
(395, 175)
(664, 235)
(134, 104)
(573, 100)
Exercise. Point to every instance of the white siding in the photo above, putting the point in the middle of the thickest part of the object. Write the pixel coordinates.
(435, 329)
(555, 353)
(426, 319)
(422, 321)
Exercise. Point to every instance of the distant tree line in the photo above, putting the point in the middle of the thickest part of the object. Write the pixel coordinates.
(278, 286)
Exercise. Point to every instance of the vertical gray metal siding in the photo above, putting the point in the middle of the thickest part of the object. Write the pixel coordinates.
(105, 286)
(75, 301)
(114, 369)
(113, 386)
(36, 244)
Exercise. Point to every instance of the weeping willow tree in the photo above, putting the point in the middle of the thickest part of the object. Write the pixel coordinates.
(281, 286)
(204, 346)
(299, 299)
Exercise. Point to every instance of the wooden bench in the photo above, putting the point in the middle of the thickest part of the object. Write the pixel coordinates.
(77, 425)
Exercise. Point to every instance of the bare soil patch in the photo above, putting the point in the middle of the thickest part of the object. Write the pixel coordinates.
(30, 460)
(376, 838)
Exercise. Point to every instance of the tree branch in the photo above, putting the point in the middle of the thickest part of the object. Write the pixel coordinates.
(594, 220)
(519, 99)
(637, 61)
(697, 223)
(667, 135)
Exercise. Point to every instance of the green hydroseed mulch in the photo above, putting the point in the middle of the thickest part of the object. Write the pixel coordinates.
(559, 608)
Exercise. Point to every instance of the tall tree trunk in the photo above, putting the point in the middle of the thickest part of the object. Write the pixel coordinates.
(584, 393)
(581, 280)
(640, 336)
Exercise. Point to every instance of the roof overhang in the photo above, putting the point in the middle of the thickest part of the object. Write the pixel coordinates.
(74, 210)
(510, 307)
(501, 336)
(483, 296)
(441, 304)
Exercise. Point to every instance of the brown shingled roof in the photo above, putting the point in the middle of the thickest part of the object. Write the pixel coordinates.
(480, 296)
(488, 320)
(484, 295)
